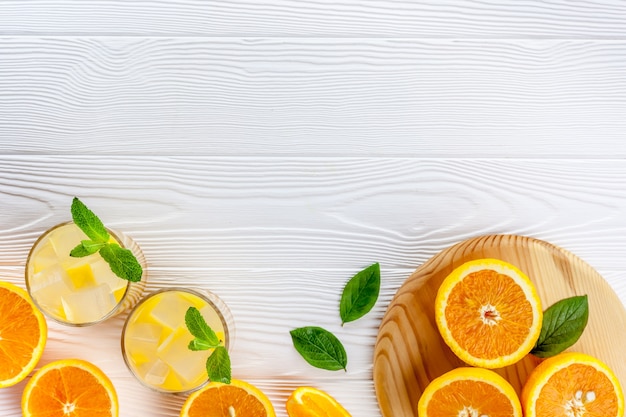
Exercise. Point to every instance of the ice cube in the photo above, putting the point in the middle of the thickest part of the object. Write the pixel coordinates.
(156, 372)
(66, 238)
(47, 277)
(103, 275)
(170, 311)
(89, 304)
(47, 288)
(189, 365)
(145, 332)
(43, 258)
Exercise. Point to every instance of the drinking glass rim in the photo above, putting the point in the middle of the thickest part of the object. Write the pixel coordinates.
(197, 292)
(43, 310)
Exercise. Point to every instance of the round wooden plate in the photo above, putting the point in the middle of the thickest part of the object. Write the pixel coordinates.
(409, 351)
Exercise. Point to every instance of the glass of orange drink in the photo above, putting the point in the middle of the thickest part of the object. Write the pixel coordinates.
(155, 338)
(79, 291)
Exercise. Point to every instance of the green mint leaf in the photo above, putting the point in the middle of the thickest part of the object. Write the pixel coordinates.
(122, 262)
(563, 323)
(88, 222)
(360, 294)
(320, 348)
(199, 328)
(86, 248)
(218, 365)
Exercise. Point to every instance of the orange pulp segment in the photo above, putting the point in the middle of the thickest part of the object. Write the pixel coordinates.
(488, 312)
(312, 402)
(23, 334)
(572, 385)
(469, 392)
(69, 387)
(238, 398)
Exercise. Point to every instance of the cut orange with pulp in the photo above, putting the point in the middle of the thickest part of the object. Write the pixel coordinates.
(572, 385)
(238, 398)
(312, 402)
(69, 387)
(23, 334)
(469, 392)
(488, 312)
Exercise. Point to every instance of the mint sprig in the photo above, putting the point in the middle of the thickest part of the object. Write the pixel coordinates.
(121, 260)
(218, 363)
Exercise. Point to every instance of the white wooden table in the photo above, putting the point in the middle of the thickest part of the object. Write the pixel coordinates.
(269, 150)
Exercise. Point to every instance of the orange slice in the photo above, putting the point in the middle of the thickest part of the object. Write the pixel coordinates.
(488, 312)
(23, 334)
(572, 385)
(238, 398)
(469, 392)
(69, 387)
(311, 402)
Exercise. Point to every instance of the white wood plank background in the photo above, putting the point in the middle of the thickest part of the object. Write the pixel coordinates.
(270, 150)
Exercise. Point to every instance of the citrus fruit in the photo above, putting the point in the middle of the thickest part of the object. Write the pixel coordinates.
(312, 402)
(69, 387)
(572, 385)
(488, 312)
(238, 398)
(469, 392)
(23, 334)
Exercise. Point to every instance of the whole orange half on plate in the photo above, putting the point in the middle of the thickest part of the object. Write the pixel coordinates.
(312, 402)
(69, 387)
(23, 334)
(238, 398)
(488, 312)
(572, 385)
(469, 392)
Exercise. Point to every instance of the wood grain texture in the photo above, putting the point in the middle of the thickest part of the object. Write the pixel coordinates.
(410, 352)
(314, 97)
(597, 19)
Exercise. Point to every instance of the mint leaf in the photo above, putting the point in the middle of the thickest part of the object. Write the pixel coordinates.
(218, 365)
(563, 324)
(320, 348)
(86, 248)
(122, 262)
(360, 294)
(198, 328)
(88, 222)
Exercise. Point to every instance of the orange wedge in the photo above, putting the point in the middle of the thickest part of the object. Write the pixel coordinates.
(572, 384)
(311, 402)
(69, 387)
(23, 334)
(469, 392)
(488, 312)
(238, 398)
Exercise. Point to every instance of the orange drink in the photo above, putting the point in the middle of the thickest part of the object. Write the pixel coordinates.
(155, 339)
(78, 291)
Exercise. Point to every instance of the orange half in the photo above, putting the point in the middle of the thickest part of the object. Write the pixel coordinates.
(572, 384)
(69, 387)
(488, 312)
(238, 398)
(469, 392)
(23, 334)
(312, 402)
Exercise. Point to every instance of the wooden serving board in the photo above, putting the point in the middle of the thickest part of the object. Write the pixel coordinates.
(409, 351)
